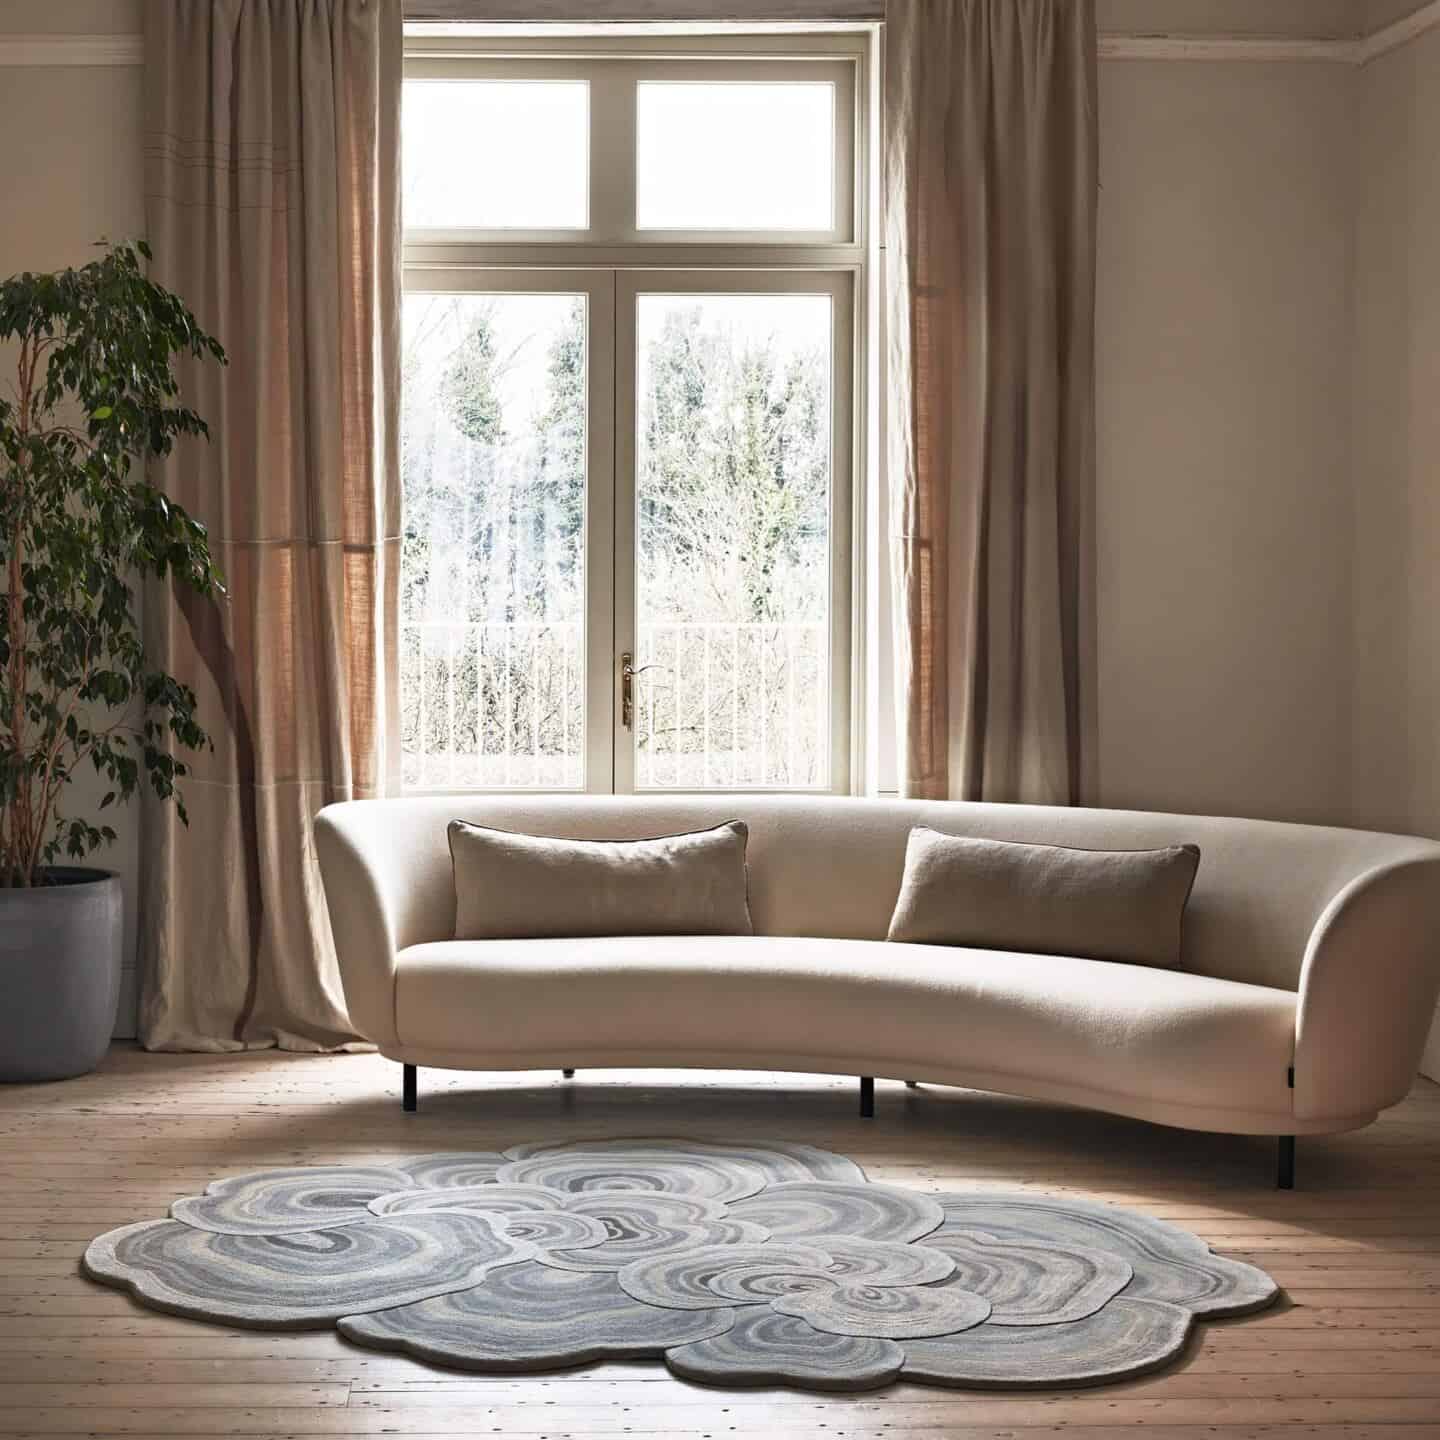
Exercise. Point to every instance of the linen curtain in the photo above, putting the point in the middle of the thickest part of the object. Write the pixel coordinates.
(272, 206)
(990, 176)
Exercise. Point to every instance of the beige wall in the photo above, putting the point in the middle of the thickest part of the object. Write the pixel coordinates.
(70, 173)
(70, 17)
(1223, 437)
(1396, 752)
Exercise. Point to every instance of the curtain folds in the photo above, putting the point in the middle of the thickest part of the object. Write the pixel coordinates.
(990, 171)
(272, 206)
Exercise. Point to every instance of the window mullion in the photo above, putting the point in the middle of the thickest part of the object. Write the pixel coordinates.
(612, 153)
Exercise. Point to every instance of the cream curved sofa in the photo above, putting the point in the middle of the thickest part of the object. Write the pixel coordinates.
(1310, 967)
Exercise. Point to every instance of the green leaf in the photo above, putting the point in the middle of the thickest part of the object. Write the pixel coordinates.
(76, 686)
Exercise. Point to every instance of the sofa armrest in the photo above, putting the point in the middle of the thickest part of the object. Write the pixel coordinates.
(1368, 989)
(361, 922)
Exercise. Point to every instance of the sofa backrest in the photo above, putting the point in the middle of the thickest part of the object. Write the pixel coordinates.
(830, 867)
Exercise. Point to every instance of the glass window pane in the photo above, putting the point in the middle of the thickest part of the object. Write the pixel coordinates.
(493, 570)
(733, 543)
(496, 154)
(728, 155)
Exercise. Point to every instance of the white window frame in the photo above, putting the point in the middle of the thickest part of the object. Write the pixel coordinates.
(611, 251)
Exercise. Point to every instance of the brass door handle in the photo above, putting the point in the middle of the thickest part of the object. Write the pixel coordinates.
(628, 672)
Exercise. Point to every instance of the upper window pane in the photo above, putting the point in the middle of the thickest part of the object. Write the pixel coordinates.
(496, 154)
(728, 155)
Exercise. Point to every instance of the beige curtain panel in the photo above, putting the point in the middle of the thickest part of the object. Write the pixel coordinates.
(272, 205)
(990, 176)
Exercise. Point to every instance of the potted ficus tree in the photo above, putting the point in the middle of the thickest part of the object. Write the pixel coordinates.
(93, 401)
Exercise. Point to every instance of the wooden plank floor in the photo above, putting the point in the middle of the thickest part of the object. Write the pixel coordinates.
(1353, 1355)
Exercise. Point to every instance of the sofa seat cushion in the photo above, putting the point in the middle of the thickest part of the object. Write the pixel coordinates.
(1162, 1036)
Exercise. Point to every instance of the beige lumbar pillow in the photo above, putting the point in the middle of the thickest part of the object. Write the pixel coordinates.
(1046, 899)
(510, 886)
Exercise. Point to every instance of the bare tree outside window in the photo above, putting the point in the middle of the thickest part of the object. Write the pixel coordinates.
(732, 525)
(733, 540)
(493, 566)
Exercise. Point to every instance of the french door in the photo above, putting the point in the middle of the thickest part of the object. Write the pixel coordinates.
(627, 543)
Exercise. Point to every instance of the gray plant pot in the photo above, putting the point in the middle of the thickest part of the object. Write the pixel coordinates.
(60, 947)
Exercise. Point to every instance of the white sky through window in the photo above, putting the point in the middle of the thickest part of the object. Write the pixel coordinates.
(735, 156)
(710, 155)
(496, 154)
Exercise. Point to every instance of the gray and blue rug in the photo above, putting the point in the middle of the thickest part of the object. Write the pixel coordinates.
(776, 1264)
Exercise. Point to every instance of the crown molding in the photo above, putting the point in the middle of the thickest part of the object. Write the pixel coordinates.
(99, 50)
(71, 49)
(81, 50)
(1256, 48)
(1359, 51)
(1399, 32)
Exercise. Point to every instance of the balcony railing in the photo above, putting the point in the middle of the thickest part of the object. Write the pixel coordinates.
(733, 706)
(719, 706)
(492, 705)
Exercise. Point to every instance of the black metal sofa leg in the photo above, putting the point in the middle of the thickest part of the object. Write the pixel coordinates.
(567, 1074)
(407, 1089)
(867, 1096)
(1285, 1177)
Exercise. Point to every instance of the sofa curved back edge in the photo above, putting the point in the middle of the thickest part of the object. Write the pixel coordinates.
(831, 866)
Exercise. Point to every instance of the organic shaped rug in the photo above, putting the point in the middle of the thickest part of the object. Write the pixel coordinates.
(776, 1264)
